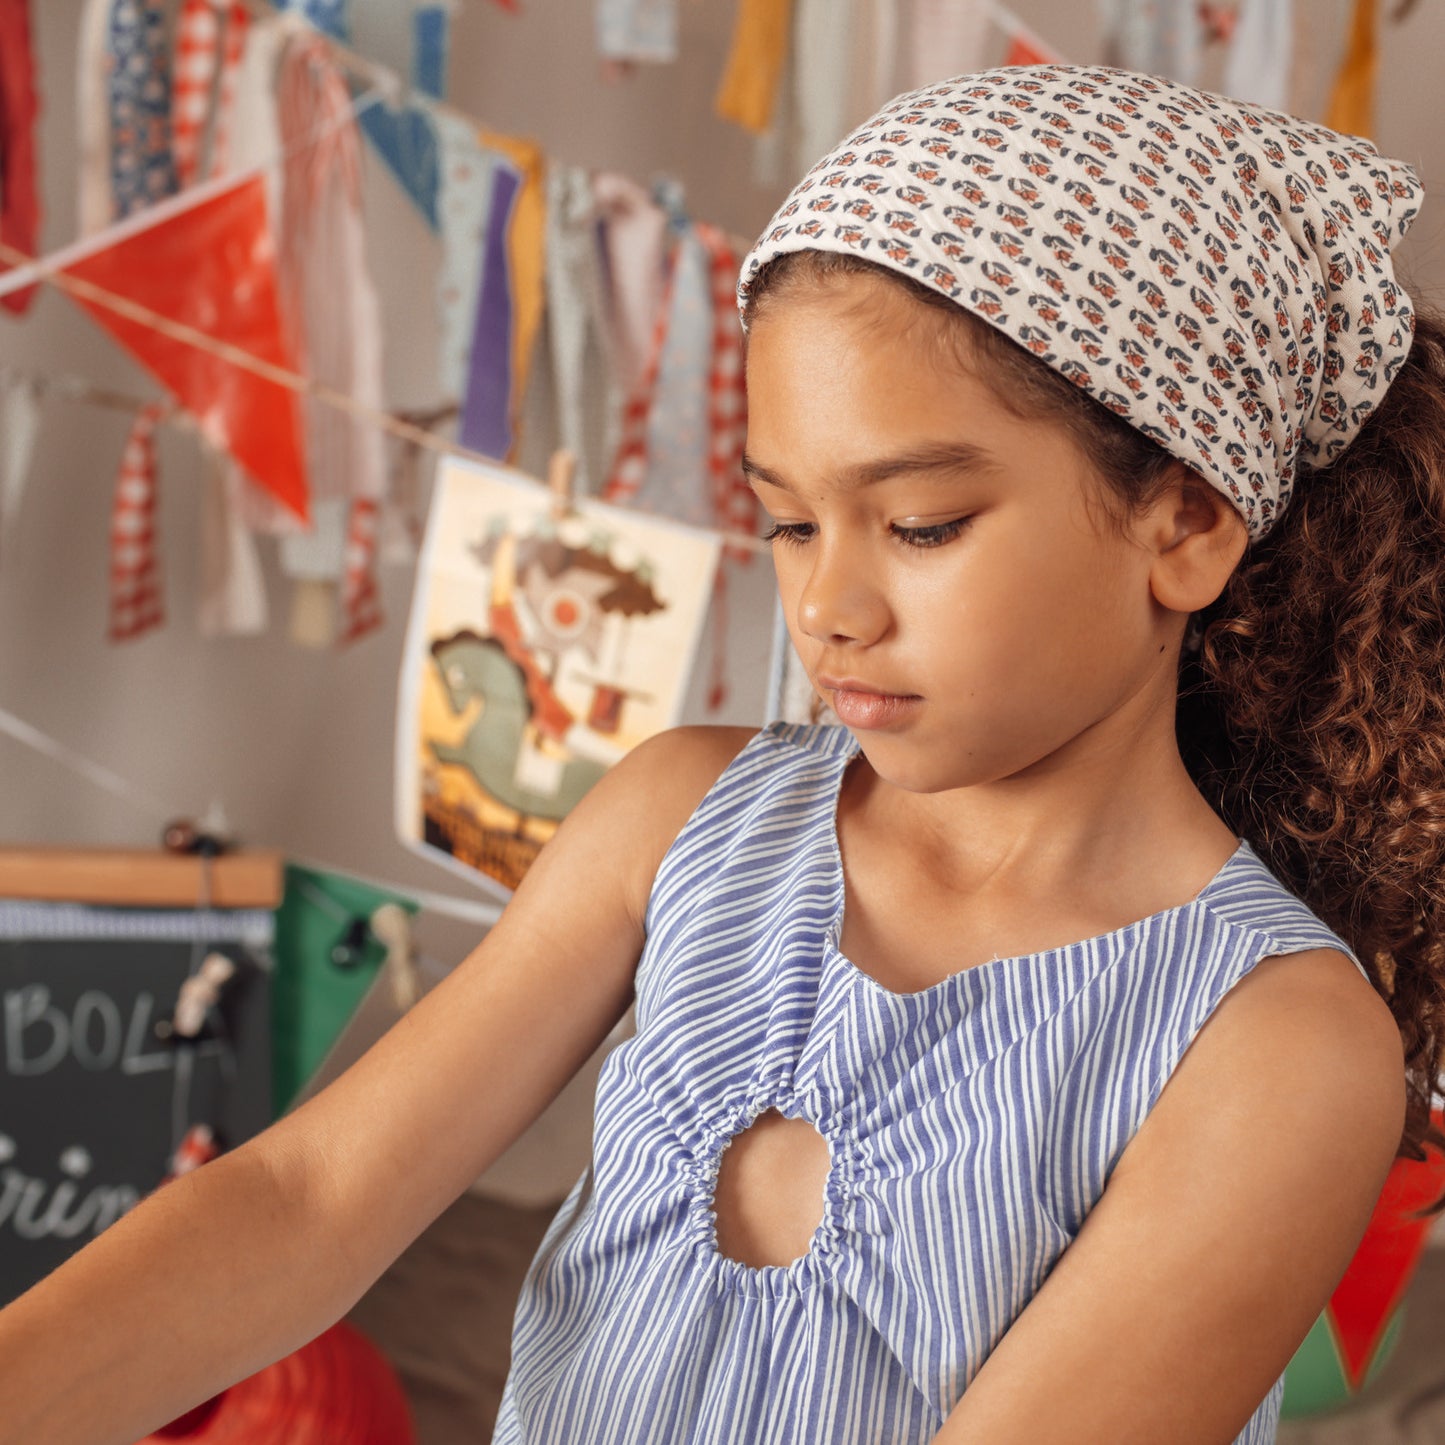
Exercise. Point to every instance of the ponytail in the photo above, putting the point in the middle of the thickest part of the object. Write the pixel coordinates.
(1313, 715)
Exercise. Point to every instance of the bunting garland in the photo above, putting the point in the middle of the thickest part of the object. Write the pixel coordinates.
(654, 291)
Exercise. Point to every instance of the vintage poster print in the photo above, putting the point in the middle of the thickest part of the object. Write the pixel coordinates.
(546, 640)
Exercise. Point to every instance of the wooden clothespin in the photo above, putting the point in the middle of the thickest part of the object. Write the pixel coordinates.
(392, 927)
(561, 482)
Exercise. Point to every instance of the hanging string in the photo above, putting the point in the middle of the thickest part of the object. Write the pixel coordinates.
(161, 813)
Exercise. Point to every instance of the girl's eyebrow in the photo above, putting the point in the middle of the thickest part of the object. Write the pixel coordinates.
(936, 457)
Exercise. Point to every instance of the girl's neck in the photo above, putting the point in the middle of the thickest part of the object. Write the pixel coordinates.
(1110, 827)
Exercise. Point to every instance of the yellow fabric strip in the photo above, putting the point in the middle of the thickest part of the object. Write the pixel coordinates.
(526, 254)
(1352, 104)
(755, 64)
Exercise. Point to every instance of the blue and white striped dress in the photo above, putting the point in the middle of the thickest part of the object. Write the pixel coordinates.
(971, 1125)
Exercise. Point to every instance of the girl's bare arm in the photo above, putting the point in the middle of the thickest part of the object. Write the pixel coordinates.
(1223, 1230)
(238, 1263)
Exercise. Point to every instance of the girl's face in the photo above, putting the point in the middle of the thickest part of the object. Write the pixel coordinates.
(944, 579)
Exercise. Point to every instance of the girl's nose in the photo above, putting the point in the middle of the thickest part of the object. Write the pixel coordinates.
(841, 601)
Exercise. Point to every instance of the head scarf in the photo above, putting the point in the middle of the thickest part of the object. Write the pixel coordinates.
(1216, 273)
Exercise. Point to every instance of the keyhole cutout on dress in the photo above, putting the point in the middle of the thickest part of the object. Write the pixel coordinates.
(769, 1195)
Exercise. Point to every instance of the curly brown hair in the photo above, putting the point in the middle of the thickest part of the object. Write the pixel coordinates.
(1311, 709)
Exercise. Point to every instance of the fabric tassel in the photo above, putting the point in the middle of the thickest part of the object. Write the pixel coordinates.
(662, 465)
(1261, 53)
(825, 36)
(573, 301)
(233, 589)
(335, 307)
(253, 127)
(688, 417)
(1159, 37)
(947, 38)
(196, 66)
(19, 105)
(509, 299)
(734, 502)
(463, 207)
(19, 425)
(634, 230)
(238, 24)
(486, 424)
(637, 30)
(136, 602)
(876, 66)
(96, 206)
(1352, 102)
(755, 63)
(142, 166)
(360, 591)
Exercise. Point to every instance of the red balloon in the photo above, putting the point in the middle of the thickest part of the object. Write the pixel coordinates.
(338, 1390)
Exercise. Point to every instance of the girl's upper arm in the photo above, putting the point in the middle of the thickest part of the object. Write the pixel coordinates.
(1223, 1230)
(415, 1120)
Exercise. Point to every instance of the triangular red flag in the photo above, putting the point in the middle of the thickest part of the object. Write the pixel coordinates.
(1375, 1281)
(1022, 51)
(211, 267)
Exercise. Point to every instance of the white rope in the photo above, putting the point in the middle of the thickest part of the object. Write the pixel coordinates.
(467, 910)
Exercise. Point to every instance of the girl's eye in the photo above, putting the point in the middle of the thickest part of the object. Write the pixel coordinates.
(931, 536)
(794, 532)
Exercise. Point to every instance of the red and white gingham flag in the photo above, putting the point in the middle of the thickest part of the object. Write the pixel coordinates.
(360, 595)
(203, 53)
(238, 20)
(136, 604)
(198, 52)
(734, 504)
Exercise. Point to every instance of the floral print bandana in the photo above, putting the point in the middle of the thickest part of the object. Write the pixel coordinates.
(1216, 273)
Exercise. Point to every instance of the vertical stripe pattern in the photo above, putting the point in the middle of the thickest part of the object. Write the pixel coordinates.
(972, 1126)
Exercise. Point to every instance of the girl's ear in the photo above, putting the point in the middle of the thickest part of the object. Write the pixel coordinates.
(1198, 538)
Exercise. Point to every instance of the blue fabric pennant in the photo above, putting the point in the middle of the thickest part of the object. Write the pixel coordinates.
(142, 165)
(486, 422)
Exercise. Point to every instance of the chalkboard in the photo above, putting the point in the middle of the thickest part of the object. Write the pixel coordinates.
(92, 1099)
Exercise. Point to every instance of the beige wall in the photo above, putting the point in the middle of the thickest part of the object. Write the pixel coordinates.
(297, 744)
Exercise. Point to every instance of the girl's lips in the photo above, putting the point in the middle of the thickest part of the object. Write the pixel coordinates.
(859, 706)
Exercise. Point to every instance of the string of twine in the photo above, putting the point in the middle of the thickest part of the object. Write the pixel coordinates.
(307, 386)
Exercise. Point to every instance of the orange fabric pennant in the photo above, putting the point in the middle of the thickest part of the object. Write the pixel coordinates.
(526, 254)
(754, 70)
(1022, 51)
(212, 268)
(1352, 103)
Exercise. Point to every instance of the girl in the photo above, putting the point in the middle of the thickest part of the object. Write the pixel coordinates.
(1021, 1060)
